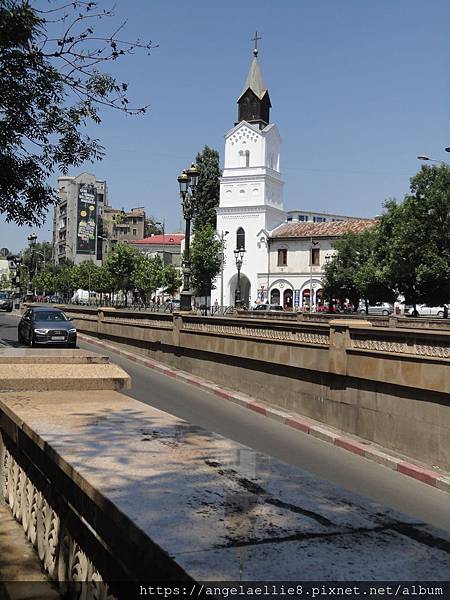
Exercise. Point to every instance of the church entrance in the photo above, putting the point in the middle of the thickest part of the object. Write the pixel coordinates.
(288, 299)
(245, 290)
(275, 296)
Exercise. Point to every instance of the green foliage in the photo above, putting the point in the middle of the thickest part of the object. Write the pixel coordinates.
(120, 264)
(208, 188)
(151, 227)
(171, 280)
(87, 273)
(148, 274)
(44, 282)
(51, 89)
(415, 238)
(205, 260)
(407, 253)
(66, 279)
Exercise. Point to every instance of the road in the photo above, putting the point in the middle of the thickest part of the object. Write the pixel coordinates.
(319, 458)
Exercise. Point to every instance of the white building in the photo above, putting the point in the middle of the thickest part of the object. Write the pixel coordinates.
(281, 259)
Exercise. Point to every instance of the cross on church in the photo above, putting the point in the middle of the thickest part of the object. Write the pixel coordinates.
(255, 39)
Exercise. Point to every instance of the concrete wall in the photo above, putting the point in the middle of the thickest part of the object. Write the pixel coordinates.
(390, 386)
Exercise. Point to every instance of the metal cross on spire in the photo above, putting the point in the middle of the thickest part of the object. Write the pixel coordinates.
(255, 39)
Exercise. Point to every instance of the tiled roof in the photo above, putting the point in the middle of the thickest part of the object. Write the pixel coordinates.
(325, 229)
(168, 239)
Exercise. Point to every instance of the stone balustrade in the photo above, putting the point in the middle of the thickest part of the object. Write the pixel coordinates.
(390, 385)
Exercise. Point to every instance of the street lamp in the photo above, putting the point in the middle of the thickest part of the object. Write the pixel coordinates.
(187, 180)
(425, 157)
(239, 258)
(312, 245)
(32, 243)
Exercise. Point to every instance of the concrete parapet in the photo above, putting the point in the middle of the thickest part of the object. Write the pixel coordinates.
(121, 491)
(388, 385)
(62, 369)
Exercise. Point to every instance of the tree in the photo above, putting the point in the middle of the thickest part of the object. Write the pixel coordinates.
(66, 279)
(120, 264)
(205, 260)
(208, 188)
(51, 87)
(148, 275)
(171, 280)
(415, 237)
(151, 226)
(44, 282)
(88, 275)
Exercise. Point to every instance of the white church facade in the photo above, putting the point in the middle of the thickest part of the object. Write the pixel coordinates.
(283, 260)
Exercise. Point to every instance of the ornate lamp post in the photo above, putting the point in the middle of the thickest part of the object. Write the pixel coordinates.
(312, 245)
(32, 243)
(239, 258)
(187, 180)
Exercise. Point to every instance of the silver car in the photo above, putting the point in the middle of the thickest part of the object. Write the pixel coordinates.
(428, 311)
(42, 325)
(378, 308)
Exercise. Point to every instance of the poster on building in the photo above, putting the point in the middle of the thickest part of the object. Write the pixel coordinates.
(86, 218)
(296, 298)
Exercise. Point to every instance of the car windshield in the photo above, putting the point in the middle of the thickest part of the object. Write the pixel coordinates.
(49, 315)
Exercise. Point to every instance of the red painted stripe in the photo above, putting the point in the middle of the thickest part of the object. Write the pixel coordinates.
(301, 425)
(350, 445)
(418, 473)
(221, 394)
(257, 408)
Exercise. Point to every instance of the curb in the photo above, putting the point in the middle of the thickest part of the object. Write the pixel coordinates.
(303, 424)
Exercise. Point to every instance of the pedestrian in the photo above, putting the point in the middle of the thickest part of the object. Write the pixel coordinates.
(216, 305)
(445, 311)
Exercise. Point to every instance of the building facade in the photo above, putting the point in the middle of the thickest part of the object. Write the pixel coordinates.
(77, 214)
(285, 251)
(121, 226)
(165, 245)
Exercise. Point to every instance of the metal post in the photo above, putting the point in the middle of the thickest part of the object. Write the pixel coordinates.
(186, 293)
(310, 275)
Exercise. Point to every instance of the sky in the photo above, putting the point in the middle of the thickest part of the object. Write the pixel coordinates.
(359, 89)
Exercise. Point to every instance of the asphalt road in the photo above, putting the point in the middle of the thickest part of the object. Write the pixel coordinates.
(324, 460)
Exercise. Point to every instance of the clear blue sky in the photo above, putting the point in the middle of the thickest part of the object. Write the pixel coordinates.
(358, 90)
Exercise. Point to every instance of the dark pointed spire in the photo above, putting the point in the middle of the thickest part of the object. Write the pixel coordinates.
(254, 102)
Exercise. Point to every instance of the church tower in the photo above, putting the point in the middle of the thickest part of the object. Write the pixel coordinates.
(251, 192)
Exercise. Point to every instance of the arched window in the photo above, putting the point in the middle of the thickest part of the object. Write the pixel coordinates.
(240, 239)
(244, 158)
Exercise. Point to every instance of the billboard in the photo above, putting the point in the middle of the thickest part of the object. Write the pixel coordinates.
(86, 218)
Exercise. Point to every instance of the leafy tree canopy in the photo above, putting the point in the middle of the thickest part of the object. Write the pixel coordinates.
(51, 87)
(414, 238)
(205, 260)
(208, 188)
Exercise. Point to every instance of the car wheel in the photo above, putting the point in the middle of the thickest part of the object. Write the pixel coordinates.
(362, 311)
(440, 314)
(385, 313)
(31, 341)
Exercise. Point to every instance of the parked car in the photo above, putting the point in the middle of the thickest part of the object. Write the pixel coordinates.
(378, 308)
(269, 307)
(6, 302)
(427, 311)
(55, 299)
(42, 325)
